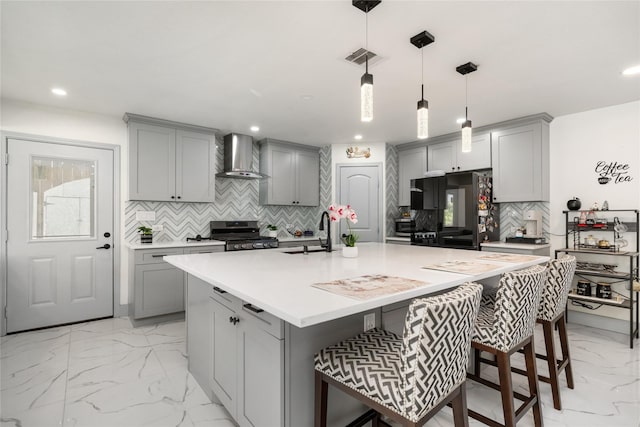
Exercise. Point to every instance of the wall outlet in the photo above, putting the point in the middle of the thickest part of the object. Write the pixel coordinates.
(145, 216)
(157, 227)
(369, 321)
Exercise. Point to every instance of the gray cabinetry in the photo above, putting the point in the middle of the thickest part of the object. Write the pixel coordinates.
(199, 331)
(448, 156)
(293, 172)
(412, 164)
(247, 363)
(157, 286)
(170, 161)
(520, 158)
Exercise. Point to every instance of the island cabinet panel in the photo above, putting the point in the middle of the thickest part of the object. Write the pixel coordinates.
(293, 174)
(448, 156)
(199, 335)
(170, 161)
(520, 158)
(412, 164)
(247, 361)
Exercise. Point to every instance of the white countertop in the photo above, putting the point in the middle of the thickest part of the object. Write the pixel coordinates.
(280, 283)
(173, 244)
(524, 246)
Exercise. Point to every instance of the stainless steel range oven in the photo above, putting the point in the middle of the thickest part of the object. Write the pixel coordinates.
(238, 235)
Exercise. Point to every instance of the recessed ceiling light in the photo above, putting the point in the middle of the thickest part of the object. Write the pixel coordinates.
(307, 97)
(358, 137)
(59, 91)
(632, 70)
(254, 128)
(460, 120)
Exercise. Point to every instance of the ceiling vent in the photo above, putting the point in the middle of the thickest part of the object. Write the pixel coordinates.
(360, 55)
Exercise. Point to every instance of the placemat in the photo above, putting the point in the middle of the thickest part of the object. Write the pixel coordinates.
(463, 267)
(507, 257)
(369, 286)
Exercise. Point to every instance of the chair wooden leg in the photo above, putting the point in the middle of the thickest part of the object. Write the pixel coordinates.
(564, 344)
(506, 388)
(476, 362)
(532, 376)
(552, 362)
(459, 406)
(320, 406)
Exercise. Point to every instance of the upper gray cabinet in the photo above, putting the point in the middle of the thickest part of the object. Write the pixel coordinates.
(520, 157)
(448, 156)
(412, 164)
(170, 161)
(293, 172)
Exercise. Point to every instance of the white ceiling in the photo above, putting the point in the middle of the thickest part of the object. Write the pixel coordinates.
(232, 64)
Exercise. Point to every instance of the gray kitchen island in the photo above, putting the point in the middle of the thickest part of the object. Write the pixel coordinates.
(256, 318)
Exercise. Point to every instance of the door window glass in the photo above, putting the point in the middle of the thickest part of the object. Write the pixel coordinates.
(62, 198)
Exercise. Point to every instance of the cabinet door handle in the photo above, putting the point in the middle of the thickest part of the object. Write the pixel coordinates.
(253, 308)
(158, 256)
(218, 290)
(173, 197)
(234, 320)
(180, 197)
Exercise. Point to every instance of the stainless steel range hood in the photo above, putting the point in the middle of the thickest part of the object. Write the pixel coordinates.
(238, 157)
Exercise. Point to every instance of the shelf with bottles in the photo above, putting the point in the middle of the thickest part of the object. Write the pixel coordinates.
(616, 301)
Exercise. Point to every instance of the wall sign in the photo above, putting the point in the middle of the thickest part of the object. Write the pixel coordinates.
(353, 152)
(612, 172)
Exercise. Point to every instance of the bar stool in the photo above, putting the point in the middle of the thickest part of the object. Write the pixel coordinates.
(409, 378)
(502, 329)
(550, 315)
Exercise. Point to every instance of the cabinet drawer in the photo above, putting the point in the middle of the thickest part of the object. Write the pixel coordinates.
(204, 249)
(154, 256)
(263, 320)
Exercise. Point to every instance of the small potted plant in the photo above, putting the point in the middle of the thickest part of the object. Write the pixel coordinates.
(146, 234)
(336, 212)
(272, 230)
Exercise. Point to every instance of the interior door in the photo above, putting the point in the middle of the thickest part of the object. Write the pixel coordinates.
(60, 234)
(359, 186)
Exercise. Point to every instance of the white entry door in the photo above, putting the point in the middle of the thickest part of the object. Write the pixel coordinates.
(60, 234)
(359, 186)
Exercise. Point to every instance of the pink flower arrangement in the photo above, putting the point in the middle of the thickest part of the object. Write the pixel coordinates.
(336, 213)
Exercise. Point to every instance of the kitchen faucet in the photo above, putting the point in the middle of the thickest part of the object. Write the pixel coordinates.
(321, 228)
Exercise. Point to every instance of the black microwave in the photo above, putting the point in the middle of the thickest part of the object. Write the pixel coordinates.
(405, 226)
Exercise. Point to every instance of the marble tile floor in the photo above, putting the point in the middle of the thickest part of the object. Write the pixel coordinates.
(108, 373)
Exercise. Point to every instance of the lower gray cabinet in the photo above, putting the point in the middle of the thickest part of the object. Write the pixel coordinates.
(247, 361)
(199, 331)
(158, 287)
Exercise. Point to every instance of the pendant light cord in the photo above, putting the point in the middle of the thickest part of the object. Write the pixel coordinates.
(366, 41)
(466, 96)
(422, 71)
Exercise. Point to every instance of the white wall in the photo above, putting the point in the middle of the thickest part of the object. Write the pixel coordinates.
(378, 155)
(22, 117)
(578, 142)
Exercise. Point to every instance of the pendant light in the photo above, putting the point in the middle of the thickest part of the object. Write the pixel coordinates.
(421, 40)
(366, 82)
(465, 69)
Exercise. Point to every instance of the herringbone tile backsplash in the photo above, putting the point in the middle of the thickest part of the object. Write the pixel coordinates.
(235, 199)
(391, 188)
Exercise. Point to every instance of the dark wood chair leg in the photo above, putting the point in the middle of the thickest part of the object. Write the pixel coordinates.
(532, 376)
(320, 406)
(476, 362)
(459, 406)
(506, 388)
(552, 362)
(564, 344)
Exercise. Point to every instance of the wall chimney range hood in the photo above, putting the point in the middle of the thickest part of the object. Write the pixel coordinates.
(238, 157)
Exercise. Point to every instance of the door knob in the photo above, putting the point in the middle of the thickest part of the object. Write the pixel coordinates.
(105, 246)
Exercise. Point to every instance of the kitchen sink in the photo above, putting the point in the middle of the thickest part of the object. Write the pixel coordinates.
(301, 251)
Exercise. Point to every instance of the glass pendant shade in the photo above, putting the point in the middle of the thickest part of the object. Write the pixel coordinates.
(366, 97)
(423, 119)
(466, 136)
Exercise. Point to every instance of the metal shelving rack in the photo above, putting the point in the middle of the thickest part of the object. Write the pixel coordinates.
(572, 227)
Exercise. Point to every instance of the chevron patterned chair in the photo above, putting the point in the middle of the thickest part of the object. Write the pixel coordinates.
(410, 378)
(504, 326)
(551, 315)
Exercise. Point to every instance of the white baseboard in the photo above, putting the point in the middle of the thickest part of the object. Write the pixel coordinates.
(599, 322)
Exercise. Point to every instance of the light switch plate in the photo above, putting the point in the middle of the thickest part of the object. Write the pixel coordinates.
(157, 227)
(369, 321)
(145, 216)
